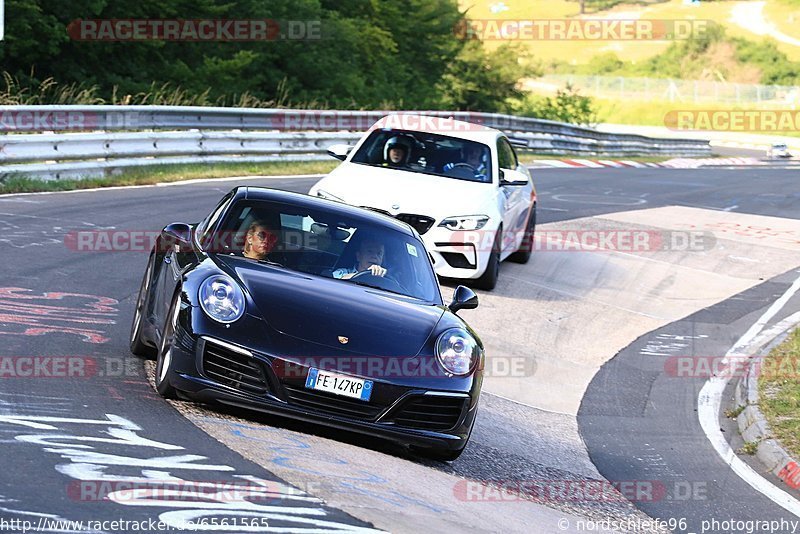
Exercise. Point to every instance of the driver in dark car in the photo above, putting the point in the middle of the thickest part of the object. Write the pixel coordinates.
(369, 257)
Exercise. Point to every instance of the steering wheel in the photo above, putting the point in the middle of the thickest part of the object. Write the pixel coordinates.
(462, 164)
(380, 281)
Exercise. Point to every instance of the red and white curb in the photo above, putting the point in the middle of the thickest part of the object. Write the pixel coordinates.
(676, 163)
(590, 163)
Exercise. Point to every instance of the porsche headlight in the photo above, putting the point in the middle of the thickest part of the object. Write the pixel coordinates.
(457, 351)
(222, 299)
(324, 194)
(465, 222)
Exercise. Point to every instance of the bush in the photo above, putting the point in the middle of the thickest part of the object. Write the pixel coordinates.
(485, 81)
(567, 106)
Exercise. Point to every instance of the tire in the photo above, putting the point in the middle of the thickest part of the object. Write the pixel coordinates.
(488, 279)
(441, 455)
(164, 358)
(137, 344)
(525, 248)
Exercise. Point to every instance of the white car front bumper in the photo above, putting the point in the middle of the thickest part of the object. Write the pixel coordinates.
(461, 254)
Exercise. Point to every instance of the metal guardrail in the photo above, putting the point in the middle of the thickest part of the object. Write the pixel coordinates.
(117, 137)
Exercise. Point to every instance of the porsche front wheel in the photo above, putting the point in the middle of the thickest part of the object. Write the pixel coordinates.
(165, 359)
(137, 344)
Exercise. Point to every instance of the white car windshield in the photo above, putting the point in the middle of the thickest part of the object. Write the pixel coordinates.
(426, 153)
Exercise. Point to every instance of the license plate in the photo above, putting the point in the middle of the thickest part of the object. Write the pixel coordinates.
(347, 386)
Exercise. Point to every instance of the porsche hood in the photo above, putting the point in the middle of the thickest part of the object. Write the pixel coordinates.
(322, 316)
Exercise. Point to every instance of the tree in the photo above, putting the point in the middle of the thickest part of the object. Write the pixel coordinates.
(484, 81)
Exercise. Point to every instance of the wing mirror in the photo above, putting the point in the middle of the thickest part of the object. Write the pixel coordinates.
(339, 152)
(463, 299)
(177, 234)
(509, 177)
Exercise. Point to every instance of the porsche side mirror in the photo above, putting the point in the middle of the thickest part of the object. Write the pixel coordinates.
(178, 233)
(339, 152)
(511, 177)
(463, 299)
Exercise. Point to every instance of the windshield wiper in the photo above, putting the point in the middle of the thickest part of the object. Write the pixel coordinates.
(373, 286)
(273, 263)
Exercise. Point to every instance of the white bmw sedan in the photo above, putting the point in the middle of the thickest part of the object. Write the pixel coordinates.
(460, 185)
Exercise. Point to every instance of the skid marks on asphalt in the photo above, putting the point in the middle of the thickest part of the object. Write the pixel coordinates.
(111, 460)
(25, 313)
(492, 479)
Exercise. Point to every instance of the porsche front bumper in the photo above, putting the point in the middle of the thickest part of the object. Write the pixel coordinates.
(419, 411)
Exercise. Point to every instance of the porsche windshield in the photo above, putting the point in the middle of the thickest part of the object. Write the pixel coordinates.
(321, 243)
(426, 153)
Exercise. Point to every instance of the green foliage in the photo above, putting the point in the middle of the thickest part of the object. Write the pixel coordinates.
(682, 56)
(373, 54)
(692, 59)
(775, 67)
(567, 106)
(605, 63)
(481, 81)
(595, 6)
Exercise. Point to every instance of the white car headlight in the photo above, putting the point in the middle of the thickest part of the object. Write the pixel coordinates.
(465, 222)
(457, 351)
(324, 194)
(222, 299)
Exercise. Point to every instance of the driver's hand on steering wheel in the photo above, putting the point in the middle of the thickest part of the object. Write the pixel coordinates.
(376, 270)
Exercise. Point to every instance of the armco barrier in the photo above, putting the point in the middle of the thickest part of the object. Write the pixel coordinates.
(79, 141)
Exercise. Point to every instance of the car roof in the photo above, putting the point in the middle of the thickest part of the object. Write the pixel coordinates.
(417, 122)
(329, 206)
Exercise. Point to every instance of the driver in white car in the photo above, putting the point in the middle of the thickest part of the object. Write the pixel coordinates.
(396, 152)
(369, 257)
(474, 158)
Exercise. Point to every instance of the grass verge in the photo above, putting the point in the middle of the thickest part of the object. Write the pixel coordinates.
(779, 392)
(167, 173)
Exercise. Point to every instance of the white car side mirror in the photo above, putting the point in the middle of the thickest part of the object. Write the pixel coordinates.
(339, 151)
(511, 177)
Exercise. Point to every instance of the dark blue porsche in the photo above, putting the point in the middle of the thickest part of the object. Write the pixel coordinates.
(311, 309)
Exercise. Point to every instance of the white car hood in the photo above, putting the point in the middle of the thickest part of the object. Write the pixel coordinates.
(418, 193)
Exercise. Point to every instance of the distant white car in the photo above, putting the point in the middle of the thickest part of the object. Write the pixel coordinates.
(778, 150)
(460, 185)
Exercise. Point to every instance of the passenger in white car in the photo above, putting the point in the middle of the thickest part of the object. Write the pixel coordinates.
(474, 158)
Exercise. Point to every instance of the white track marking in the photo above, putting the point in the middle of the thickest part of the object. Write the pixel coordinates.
(710, 399)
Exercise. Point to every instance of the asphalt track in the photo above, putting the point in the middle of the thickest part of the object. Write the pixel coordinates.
(637, 424)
